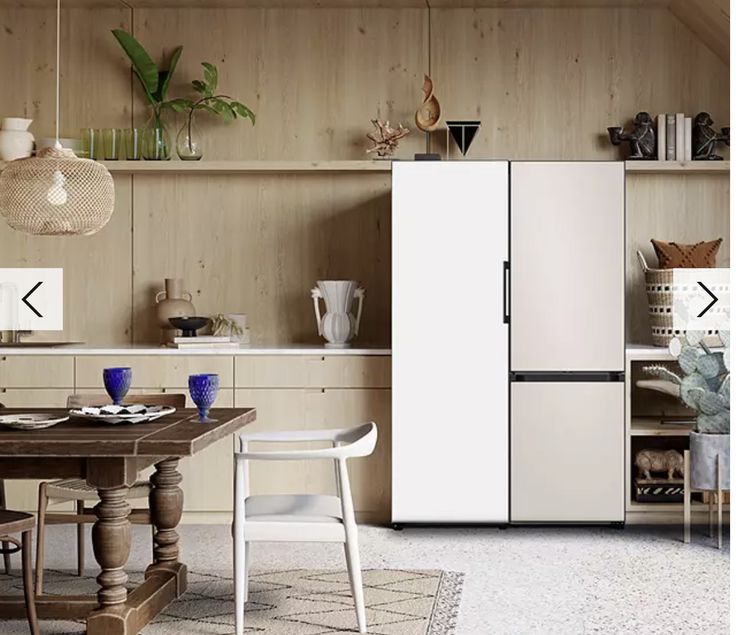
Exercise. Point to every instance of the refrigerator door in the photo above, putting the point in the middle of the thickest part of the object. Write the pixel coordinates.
(567, 266)
(567, 452)
(449, 342)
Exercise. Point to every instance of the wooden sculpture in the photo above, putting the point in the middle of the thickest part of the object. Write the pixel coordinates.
(428, 114)
(385, 138)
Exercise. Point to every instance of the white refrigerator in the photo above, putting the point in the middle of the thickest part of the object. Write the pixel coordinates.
(507, 342)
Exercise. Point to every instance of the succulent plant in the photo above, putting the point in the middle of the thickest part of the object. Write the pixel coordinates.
(706, 384)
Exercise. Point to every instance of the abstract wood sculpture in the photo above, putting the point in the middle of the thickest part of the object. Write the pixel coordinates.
(385, 138)
(428, 114)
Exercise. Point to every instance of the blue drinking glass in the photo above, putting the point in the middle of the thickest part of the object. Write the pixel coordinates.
(117, 383)
(203, 389)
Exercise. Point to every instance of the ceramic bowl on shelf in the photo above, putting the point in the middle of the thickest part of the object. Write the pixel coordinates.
(189, 325)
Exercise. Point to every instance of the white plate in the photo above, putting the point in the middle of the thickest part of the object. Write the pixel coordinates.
(31, 421)
(131, 413)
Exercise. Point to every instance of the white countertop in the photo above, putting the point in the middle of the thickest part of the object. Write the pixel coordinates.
(291, 349)
(644, 352)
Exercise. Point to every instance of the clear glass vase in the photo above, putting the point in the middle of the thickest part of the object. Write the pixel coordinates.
(188, 145)
(156, 141)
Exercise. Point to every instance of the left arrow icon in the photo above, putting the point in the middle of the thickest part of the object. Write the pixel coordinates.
(28, 295)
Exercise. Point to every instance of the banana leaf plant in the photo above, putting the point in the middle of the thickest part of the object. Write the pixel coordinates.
(210, 101)
(154, 81)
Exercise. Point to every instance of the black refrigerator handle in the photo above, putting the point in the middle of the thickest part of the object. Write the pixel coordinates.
(506, 270)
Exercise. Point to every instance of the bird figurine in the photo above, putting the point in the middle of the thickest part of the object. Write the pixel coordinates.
(641, 139)
(705, 139)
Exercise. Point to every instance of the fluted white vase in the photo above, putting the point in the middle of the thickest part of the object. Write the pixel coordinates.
(16, 142)
(338, 325)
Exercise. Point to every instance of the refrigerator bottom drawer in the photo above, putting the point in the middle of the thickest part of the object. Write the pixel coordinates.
(567, 452)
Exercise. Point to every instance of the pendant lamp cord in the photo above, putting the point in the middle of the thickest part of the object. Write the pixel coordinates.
(57, 144)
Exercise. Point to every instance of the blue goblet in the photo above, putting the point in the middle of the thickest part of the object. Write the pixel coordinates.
(203, 389)
(117, 383)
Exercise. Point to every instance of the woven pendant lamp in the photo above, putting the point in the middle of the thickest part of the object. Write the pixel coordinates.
(56, 193)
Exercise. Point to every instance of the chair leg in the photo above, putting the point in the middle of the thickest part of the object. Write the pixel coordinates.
(354, 573)
(241, 584)
(6, 545)
(43, 503)
(719, 502)
(686, 499)
(28, 592)
(80, 540)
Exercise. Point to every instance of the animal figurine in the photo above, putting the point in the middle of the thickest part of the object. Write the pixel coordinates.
(670, 461)
(705, 139)
(385, 138)
(642, 138)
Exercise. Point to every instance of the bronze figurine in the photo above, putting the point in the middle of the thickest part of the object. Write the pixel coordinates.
(642, 138)
(705, 139)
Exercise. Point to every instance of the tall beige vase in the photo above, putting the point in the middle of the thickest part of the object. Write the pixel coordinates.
(172, 302)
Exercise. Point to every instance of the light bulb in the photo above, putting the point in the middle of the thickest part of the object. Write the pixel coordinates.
(56, 194)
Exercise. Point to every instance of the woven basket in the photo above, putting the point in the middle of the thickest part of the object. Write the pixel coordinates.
(659, 283)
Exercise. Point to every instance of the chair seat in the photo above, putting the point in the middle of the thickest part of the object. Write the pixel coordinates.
(302, 508)
(77, 489)
(14, 522)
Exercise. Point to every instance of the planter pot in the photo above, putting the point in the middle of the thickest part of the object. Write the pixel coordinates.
(704, 448)
(15, 140)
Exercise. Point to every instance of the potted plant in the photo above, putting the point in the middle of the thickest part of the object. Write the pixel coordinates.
(156, 143)
(706, 388)
(188, 145)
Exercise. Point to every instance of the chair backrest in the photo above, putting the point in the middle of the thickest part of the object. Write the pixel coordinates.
(176, 400)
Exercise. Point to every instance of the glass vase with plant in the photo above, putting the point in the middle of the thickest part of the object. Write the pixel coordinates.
(188, 143)
(156, 142)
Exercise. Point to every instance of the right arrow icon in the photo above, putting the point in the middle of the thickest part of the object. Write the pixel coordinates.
(711, 303)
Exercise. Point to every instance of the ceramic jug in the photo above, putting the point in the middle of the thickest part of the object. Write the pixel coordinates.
(15, 140)
(172, 302)
(338, 325)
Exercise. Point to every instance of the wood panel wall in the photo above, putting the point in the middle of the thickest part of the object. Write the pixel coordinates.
(544, 82)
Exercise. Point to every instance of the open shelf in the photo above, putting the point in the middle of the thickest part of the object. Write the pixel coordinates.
(651, 427)
(243, 167)
(678, 167)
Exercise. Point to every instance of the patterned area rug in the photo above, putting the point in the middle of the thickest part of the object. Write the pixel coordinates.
(291, 602)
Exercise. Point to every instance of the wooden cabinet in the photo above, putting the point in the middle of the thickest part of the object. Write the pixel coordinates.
(155, 371)
(36, 371)
(288, 391)
(311, 408)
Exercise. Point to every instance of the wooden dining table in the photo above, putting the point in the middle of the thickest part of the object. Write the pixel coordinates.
(110, 457)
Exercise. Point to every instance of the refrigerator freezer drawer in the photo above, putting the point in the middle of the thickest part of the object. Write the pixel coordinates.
(567, 452)
(567, 266)
(449, 342)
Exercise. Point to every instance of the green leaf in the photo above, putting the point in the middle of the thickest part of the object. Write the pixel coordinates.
(144, 67)
(179, 105)
(164, 85)
(244, 111)
(210, 76)
(199, 86)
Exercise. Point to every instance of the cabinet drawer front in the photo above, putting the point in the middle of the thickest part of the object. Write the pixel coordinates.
(567, 452)
(34, 397)
(155, 371)
(36, 371)
(313, 371)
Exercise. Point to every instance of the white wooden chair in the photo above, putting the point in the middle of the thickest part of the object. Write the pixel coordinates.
(299, 518)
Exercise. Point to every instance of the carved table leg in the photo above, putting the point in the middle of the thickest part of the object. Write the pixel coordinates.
(166, 502)
(111, 543)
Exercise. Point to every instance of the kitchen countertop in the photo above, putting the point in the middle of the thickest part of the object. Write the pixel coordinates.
(291, 349)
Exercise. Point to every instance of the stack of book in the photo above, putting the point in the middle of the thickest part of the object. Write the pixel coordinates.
(204, 341)
(674, 137)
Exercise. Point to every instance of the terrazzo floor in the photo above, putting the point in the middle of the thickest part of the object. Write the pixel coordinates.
(564, 581)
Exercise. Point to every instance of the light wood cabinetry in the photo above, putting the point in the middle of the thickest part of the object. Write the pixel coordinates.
(155, 371)
(36, 371)
(288, 391)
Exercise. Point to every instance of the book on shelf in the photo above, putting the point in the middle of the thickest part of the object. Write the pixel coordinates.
(661, 137)
(203, 339)
(688, 138)
(680, 136)
(671, 137)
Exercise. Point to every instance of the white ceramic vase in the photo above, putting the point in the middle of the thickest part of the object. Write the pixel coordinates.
(338, 325)
(15, 140)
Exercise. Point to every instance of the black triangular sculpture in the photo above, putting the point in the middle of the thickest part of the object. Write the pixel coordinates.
(463, 132)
